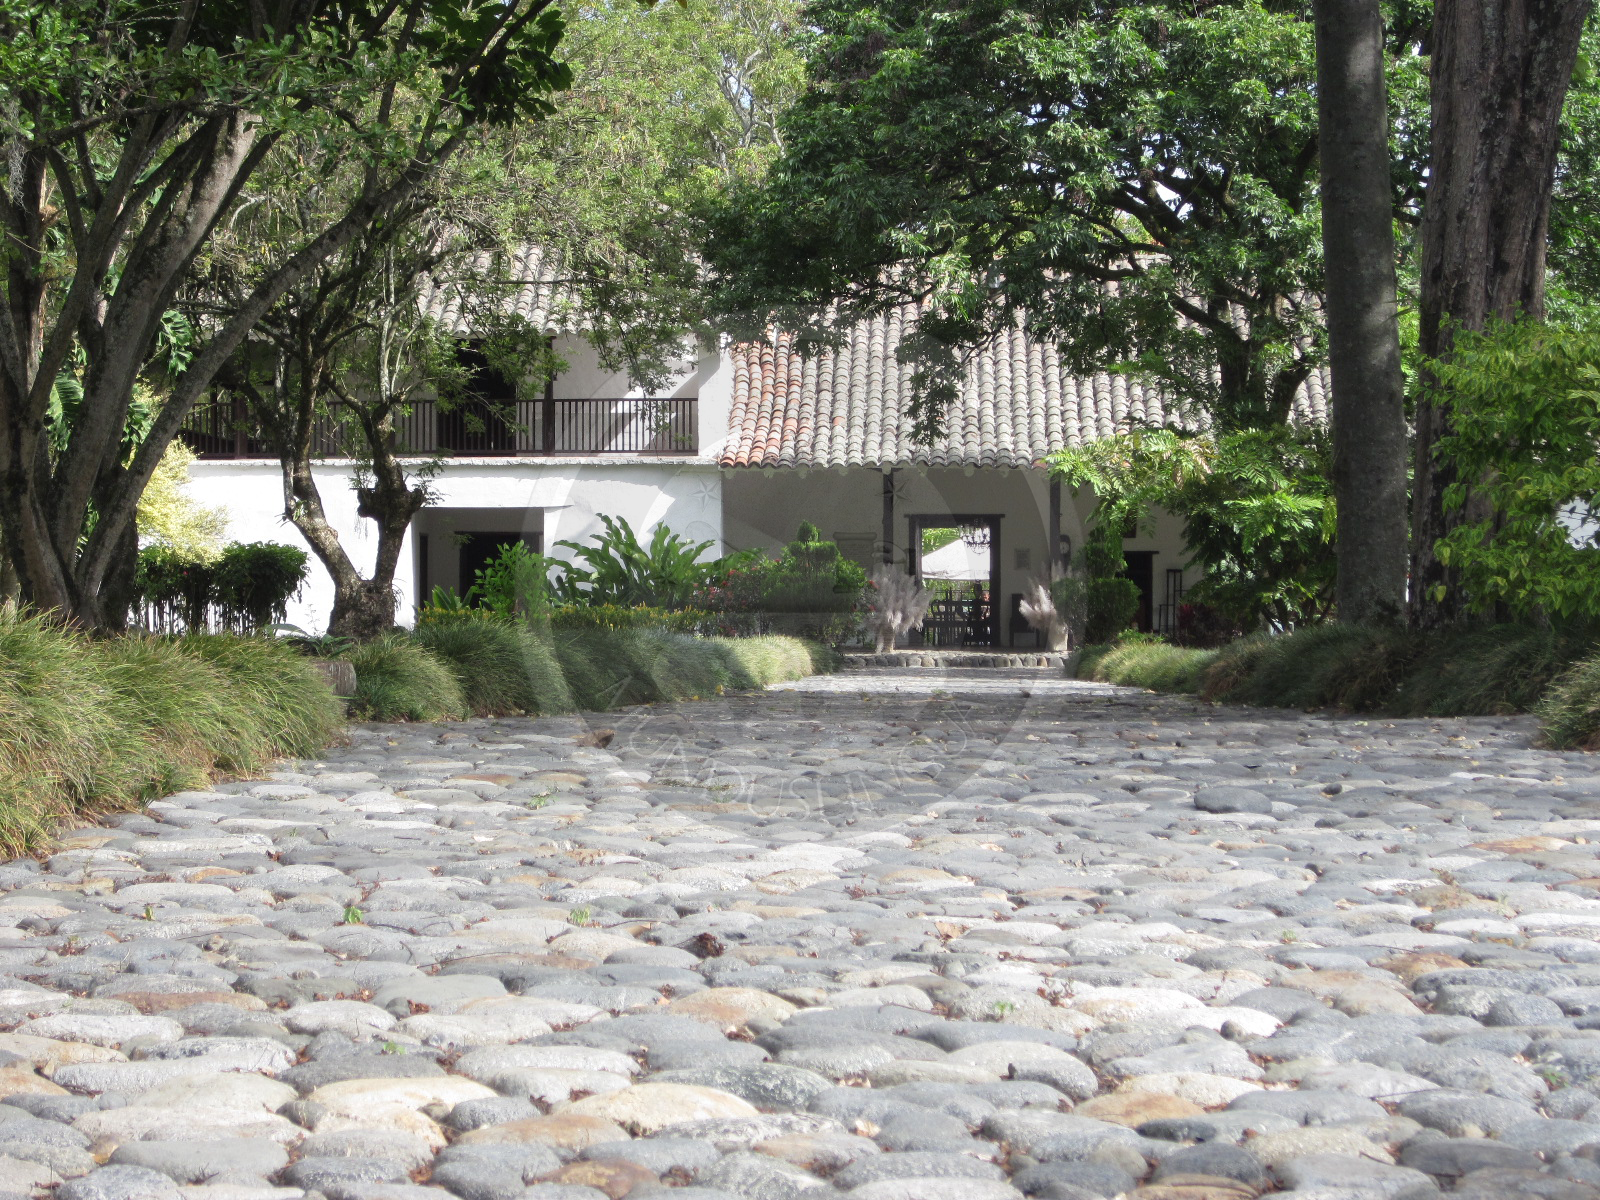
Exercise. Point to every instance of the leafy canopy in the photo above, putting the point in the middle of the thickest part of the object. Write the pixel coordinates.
(132, 131)
(1256, 505)
(1524, 402)
(1136, 181)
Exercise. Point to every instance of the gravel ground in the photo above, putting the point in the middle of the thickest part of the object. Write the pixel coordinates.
(896, 935)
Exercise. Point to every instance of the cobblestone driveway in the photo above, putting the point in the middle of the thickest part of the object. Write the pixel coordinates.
(901, 936)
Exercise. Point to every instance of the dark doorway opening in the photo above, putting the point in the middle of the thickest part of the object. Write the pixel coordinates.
(1141, 568)
(478, 550)
(957, 556)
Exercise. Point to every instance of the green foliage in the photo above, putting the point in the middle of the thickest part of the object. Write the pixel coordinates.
(399, 679)
(767, 660)
(1474, 672)
(1488, 671)
(515, 583)
(178, 120)
(812, 576)
(317, 645)
(254, 582)
(247, 587)
(502, 667)
(1322, 666)
(1573, 289)
(1110, 606)
(1569, 712)
(444, 601)
(621, 570)
(170, 518)
(639, 616)
(1524, 403)
(1155, 666)
(810, 590)
(176, 591)
(276, 686)
(608, 669)
(1257, 511)
(1001, 167)
(1086, 660)
(91, 725)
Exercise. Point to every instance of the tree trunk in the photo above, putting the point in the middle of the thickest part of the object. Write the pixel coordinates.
(121, 587)
(362, 608)
(1369, 430)
(1499, 77)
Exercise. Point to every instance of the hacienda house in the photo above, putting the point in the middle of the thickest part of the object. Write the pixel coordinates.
(748, 440)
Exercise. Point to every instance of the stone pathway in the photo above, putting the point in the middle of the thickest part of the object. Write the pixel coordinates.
(899, 936)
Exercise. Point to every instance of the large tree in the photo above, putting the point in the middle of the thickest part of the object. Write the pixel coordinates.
(1500, 76)
(1136, 182)
(1369, 426)
(131, 130)
(665, 106)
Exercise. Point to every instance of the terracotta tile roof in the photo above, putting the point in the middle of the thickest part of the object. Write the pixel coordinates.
(536, 293)
(847, 406)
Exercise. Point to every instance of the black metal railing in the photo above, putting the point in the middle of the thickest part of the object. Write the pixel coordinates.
(481, 429)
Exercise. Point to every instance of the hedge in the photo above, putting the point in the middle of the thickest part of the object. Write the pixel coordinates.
(1469, 672)
(487, 666)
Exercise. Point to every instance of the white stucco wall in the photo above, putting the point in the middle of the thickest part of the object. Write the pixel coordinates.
(560, 499)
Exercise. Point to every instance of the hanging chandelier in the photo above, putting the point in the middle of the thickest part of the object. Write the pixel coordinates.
(977, 537)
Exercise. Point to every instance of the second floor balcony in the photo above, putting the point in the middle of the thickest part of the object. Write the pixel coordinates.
(478, 429)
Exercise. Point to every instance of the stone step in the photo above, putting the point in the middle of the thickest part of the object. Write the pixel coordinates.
(944, 660)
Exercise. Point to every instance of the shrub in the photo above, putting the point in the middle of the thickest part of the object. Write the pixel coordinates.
(810, 591)
(486, 659)
(1524, 418)
(1153, 665)
(399, 679)
(58, 730)
(1569, 713)
(1084, 663)
(640, 666)
(547, 684)
(96, 725)
(515, 583)
(619, 569)
(679, 667)
(285, 693)
(247, 588)
(1316, 667)
(1475, 672)
(503, 667)
(254, 582)
(637, 616)
(597, 669)
(1110, 606)
(1256, 506)
(1231, 669)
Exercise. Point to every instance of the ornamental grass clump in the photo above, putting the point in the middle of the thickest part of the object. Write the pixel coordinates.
(502, 666)
(1153, 665)
(1569, 713)
(1485, 672)
(399, 679)
(89, 726)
